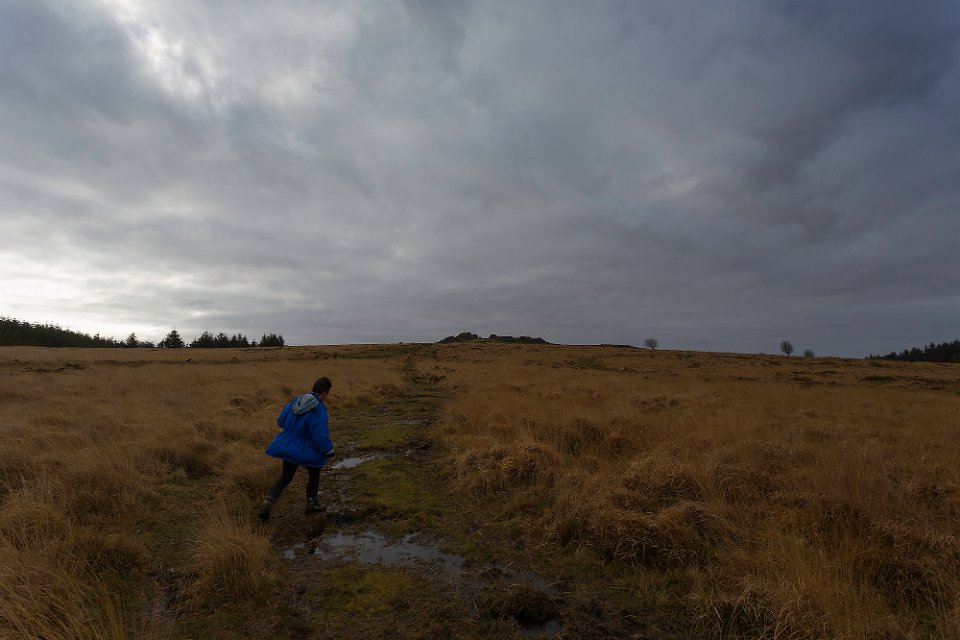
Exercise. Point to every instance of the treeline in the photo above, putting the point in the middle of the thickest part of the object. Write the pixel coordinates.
(207, 340)
(467, 336)
(944, 352)
(17, 333)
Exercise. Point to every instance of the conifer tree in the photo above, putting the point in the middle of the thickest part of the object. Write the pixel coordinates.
(172, 341)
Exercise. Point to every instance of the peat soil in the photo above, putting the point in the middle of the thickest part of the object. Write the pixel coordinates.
(396, 556)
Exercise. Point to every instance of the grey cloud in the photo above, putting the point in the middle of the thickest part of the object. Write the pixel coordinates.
(717, 174)
(65, 63)
(867, 55)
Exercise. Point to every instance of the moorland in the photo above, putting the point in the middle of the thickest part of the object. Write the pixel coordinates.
(481, 490)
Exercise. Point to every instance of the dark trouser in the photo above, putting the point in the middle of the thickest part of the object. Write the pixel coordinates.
(313, 481)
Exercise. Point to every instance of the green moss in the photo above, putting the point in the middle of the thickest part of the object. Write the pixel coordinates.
(350, 590)
(390, 436)
(375, 602)
(394, 489)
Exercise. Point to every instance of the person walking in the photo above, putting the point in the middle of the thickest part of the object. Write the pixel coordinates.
(304, 440)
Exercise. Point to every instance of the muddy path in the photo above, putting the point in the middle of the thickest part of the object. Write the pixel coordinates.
(381, 561)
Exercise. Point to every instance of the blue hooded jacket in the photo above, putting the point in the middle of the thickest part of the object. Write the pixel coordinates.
(305, 439)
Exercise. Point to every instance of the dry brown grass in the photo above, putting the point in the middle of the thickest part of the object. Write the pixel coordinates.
(119, 467)
(769, 497)
(798, 497)
(229, 557)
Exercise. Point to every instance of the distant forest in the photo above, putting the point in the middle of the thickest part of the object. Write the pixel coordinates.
(945, 352)
(17, 333)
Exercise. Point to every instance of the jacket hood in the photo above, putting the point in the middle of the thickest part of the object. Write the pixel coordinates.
(305, 404)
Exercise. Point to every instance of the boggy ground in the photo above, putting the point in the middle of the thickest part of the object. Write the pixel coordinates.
(390, 557)
(481, 491)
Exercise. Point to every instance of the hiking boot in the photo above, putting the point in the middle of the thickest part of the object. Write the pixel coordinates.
(314, 506)
(264, 511)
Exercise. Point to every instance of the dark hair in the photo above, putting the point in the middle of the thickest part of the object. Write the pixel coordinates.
(322, 385)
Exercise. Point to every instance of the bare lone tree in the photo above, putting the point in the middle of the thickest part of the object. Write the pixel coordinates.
(809, 353)
(650, 343)
(787, 347)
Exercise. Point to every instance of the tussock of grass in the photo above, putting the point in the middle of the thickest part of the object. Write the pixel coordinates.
(492, 468)
(101, 482)
(229, 557)
(192, 458)
(41, 600)
(680, 535)
(246, 469)
(519, 602)
(44, 561)
(31, 517)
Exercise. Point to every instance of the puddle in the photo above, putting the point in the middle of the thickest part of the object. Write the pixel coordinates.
(350, 463)
(290, 553)
(372, 548)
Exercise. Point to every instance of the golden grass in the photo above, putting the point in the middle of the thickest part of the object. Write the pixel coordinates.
(798, 497)
(229, 558)
(119, 466)
(766, 496)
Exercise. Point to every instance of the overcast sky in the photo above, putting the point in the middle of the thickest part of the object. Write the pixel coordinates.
(719, 175)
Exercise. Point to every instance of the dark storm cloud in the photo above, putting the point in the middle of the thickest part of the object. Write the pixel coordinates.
(883, 55)
(717, 175)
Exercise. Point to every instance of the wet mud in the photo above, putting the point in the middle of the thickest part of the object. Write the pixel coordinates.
(495, 591)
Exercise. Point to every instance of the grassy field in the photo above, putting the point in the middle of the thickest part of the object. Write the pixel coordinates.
(576, 492)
